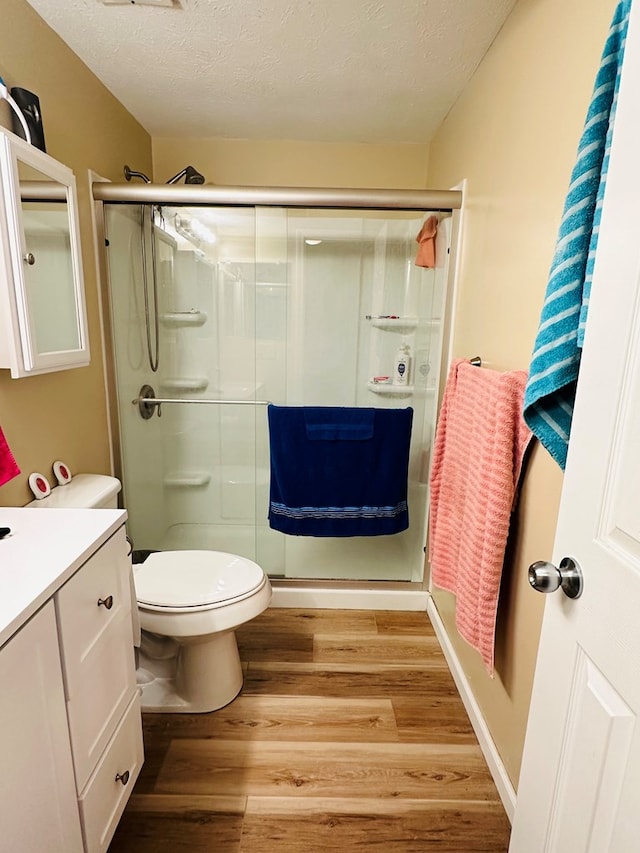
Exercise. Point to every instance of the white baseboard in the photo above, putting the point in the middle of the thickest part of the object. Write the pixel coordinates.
(349, 599)
(487, 744)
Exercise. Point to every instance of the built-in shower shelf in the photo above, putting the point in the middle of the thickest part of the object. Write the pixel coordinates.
(395, 324)
(388, 390)
(183, 318)
(187, 479)
(185, 383)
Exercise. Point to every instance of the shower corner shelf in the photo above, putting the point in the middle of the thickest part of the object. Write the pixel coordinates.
(183, 318)
(186, 383)
(187, 480)
(390, 390)
(395, 324)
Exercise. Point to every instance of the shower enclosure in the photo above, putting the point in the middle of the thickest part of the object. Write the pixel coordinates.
(238, 306)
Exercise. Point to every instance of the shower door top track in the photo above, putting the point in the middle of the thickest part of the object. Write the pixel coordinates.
(359, 199)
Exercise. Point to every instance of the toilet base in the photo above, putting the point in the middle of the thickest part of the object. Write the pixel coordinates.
(204, 675)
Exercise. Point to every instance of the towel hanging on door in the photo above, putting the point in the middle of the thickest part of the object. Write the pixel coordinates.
(553, 374)
(339, 471)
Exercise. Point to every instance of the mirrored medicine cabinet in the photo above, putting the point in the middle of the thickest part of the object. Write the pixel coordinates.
(43, 323)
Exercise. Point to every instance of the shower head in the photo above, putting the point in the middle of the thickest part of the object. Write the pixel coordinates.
(190, 175)
(130, 173)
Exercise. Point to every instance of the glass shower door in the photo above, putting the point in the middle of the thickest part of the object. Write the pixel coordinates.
(188, 471)
(299, 307)
(348, 296)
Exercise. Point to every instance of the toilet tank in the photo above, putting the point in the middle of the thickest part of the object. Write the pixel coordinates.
(89, 491)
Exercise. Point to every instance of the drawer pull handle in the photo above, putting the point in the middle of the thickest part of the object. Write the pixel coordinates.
(123, 777)
(106, 602)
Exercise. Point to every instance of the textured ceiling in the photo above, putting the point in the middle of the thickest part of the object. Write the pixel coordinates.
(324, 70)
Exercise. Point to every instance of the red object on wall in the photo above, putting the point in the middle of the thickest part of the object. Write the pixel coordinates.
(8, 466)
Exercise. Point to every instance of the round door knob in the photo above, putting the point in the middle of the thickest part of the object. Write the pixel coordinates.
(123, 777)
(106, 602)
(30, 258)
(545, 577)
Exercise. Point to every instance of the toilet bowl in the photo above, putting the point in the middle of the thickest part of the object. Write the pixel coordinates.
(196, 599)
(189, 605)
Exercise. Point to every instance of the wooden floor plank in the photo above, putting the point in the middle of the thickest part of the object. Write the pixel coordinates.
(349, 680)
(194, 825)
(401, 649)
(155, 751)
(328, 770)
(432, 719)
(265, 644)
(287, 718)
(399, 622)
(401, 826)
(181, 804)
(285, 634)
(283, 620)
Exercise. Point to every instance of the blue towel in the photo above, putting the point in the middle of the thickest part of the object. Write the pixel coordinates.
(330, 424)
(553, 374)
(339, 471)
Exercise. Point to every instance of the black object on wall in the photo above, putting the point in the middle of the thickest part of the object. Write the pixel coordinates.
(30, 106)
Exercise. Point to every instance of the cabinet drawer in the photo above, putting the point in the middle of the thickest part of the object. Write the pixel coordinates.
(105, 796)
(82, 620)
(97, 651)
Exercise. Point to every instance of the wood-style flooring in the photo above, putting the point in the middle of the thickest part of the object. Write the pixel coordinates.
(348, 735)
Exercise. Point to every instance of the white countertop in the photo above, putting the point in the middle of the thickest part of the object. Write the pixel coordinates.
(43, 550)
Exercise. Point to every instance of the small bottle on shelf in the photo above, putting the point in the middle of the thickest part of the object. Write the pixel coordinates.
(402, 367)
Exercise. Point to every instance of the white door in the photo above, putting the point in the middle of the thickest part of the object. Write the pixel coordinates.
(580, 782)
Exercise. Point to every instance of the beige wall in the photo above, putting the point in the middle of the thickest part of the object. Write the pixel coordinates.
(62, 415)
(271, 163)
(513, 136)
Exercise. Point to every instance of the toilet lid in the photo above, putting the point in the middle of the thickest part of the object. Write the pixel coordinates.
(195, 578)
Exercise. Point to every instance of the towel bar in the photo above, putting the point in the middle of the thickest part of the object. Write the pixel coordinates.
(158, 401)
(147, 400)
(476, 361)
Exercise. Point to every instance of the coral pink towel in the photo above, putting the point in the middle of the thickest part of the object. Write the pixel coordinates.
(480, 443)
(8, 467)
(426, 239)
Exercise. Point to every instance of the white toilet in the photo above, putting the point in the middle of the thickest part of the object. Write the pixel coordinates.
(189, 605)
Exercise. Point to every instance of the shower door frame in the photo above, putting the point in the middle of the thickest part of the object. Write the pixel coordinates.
(443, 201)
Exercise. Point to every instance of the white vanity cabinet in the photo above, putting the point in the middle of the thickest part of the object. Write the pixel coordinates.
(70, 721)
(38, 806)
(103, 705)
(43, 323)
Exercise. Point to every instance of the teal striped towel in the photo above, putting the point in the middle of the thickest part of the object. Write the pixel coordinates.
(553, 373)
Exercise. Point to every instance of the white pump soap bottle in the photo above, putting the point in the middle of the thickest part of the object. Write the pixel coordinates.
(402, 368)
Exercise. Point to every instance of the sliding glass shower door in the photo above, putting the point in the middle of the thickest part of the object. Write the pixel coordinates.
(299, 307)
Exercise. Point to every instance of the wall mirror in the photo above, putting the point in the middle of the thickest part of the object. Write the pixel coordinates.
(44, 289)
